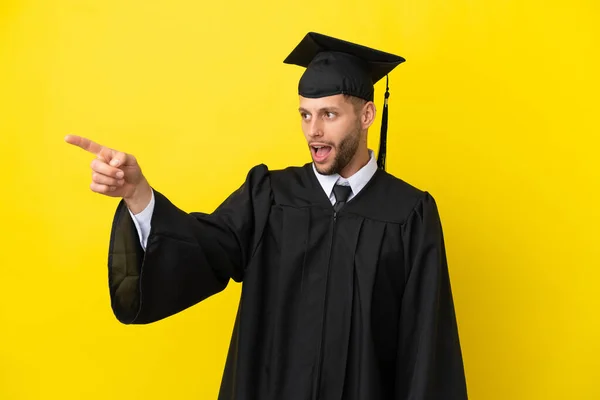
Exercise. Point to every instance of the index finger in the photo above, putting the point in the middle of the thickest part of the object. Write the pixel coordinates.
(85, 144)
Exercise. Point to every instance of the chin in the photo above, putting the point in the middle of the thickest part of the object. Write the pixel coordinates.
(326, 169)
(322, 168)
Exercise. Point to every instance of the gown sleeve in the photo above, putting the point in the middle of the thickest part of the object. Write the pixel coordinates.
(430, 363)
(189, 256)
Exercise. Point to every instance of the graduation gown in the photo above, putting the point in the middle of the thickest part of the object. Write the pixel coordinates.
(353, 305)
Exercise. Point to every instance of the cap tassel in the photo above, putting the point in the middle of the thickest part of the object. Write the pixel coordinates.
(384, 121)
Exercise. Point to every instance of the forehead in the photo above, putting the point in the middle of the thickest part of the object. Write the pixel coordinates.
(337, 101)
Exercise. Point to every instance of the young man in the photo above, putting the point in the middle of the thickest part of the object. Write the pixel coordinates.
(346, 293)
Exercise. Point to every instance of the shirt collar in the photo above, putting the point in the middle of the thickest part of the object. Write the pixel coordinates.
(356, 182)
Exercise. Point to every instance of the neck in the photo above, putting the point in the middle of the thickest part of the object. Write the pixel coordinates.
(360, 159)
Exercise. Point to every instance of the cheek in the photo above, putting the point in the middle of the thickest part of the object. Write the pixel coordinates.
(338, 130)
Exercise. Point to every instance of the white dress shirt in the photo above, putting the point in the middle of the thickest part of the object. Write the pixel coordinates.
(356, 182)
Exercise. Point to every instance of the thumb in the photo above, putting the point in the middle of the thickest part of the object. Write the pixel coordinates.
(119, 158)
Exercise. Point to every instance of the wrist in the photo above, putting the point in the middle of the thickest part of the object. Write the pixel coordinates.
(140, 198)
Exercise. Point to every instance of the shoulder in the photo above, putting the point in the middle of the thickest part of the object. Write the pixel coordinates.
(286, 177)
(279, 180)
(397, 199)
(278, 174)
(400, 188)
(293, 186)
(290, 172)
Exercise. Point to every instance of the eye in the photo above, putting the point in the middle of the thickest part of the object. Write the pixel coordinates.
(329, 115)
(305, 116)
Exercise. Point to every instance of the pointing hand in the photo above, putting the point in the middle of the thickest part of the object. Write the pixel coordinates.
(115, 174)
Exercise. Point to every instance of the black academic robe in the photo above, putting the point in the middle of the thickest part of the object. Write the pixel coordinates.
(354, 305)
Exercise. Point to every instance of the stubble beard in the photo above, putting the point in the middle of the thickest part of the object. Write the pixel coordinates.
(345, 152)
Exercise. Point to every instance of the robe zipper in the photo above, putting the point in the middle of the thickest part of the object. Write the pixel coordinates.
(320, 360)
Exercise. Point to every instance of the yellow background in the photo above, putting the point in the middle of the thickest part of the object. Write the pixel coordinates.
(495, 113)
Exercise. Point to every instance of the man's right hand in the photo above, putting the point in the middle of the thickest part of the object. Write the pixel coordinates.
(116, 174)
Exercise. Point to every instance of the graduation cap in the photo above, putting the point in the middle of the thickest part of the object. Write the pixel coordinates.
(335, 66)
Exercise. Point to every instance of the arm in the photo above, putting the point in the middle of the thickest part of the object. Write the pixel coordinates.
(430, 364)
(185, 258)
(189, 256)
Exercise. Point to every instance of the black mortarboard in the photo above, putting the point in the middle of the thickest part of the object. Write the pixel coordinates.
(335, 66)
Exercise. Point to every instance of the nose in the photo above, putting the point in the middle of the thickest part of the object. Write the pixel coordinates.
(315, 129)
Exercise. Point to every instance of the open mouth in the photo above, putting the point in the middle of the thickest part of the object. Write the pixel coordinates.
(320, 152)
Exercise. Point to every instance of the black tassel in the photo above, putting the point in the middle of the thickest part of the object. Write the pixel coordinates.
(384, 121)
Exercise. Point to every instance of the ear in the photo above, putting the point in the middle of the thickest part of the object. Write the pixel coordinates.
(367, 116)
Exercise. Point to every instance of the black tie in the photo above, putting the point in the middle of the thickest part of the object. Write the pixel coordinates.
(341, 195)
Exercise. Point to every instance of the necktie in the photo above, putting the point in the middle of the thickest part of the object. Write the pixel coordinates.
(341, 195)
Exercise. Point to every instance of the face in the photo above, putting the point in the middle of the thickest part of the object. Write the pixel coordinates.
(335, 131)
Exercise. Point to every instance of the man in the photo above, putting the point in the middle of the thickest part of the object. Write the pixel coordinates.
(345, 294)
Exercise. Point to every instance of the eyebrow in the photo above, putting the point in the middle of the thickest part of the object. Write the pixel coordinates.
(320, 110)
